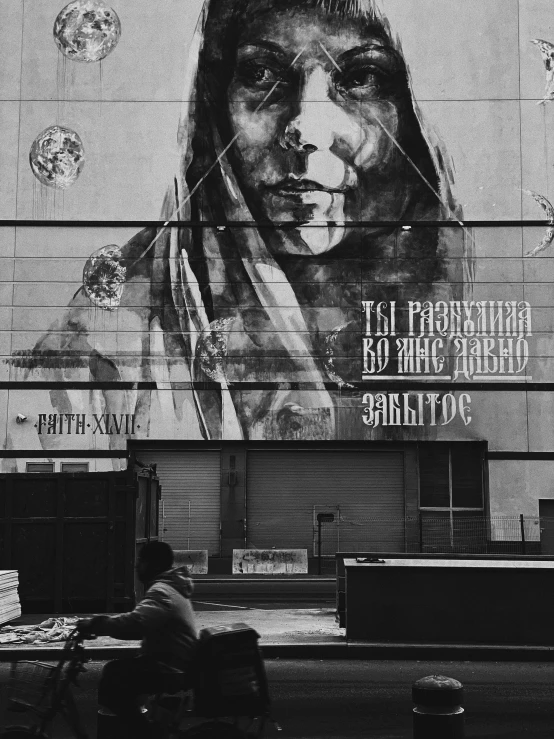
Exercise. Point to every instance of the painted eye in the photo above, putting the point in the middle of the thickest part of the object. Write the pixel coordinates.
(262, 74)
(366, 82)
(259, 74)
(362, 77)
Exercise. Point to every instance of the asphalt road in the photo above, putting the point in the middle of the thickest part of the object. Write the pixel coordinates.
(372, 700)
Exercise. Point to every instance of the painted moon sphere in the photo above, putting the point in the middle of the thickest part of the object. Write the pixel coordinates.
(104, 277)
(87, 30)
(57, 157)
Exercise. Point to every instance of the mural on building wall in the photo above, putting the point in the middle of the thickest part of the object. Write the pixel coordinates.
(57, 157)
(87, 30)
(547, 53)
(548, 237)
(301, 147)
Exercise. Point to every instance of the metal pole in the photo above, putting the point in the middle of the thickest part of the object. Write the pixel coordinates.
(420, 522)
(319, 546)
(188, 537)
(522, 527)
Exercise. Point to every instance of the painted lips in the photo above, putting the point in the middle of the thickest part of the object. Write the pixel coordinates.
(288, 187)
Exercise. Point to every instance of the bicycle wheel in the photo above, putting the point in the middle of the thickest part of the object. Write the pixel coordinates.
(212, 730)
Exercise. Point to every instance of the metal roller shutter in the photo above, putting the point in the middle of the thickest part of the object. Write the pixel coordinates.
(365, 490)
(191, 497)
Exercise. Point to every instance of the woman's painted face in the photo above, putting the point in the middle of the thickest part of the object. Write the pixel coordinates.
(312, 103)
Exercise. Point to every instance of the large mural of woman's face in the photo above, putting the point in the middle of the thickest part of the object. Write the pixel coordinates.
(303, 151)
(315, 102)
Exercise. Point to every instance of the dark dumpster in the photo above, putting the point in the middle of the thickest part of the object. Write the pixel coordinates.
(73, 538)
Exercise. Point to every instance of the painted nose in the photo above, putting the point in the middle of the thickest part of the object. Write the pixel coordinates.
(320, 121)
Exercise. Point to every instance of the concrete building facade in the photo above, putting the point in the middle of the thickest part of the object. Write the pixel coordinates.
(296, 253)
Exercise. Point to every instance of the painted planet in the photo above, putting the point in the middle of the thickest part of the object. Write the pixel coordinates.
(104, 277)
(211, 348)
(57, 157)
(87, 30)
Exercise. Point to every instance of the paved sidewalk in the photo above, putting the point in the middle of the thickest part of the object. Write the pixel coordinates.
(281, 627)
(295, 633)
(277, 628)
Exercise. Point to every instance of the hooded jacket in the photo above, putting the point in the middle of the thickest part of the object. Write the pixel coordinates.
(163, 620)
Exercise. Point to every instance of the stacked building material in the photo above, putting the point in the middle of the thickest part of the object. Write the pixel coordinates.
(10, 607)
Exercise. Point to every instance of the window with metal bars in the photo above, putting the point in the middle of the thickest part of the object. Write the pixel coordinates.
(451, 497)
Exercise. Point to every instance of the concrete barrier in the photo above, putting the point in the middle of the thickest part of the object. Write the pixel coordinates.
(270, 561)
(195, 559)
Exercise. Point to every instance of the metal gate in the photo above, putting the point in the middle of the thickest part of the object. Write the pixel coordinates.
(287, 489)
(190, 483)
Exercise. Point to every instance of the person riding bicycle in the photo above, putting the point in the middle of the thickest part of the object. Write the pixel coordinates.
(164, 621)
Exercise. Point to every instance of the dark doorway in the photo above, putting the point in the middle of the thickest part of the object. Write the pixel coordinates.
(546, 513)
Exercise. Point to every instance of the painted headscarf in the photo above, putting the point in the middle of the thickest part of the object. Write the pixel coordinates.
(244, 322)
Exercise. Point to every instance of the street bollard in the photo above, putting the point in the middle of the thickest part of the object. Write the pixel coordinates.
(438, 712)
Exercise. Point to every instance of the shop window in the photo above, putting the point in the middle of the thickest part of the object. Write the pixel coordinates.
(74, 466)
(40, 467)
(452, 516)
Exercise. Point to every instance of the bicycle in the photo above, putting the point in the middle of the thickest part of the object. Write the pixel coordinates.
(45, 691)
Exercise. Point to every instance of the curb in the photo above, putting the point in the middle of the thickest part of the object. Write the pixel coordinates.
(421, 652)
(263, 578)
(327, 651)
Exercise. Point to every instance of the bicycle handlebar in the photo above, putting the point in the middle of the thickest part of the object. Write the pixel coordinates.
(75, 636)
